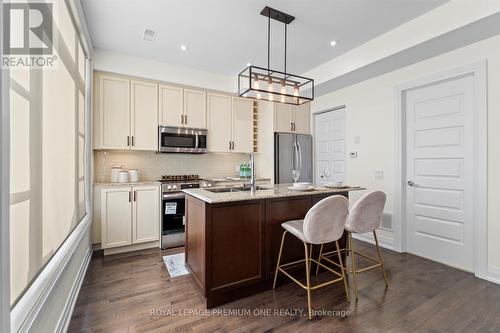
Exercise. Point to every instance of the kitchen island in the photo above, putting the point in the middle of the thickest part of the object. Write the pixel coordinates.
(233, 237)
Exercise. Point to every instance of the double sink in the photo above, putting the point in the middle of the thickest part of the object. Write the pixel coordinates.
(237, 189)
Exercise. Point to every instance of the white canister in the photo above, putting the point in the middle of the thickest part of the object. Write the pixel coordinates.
(115, 170)
(123, 177)
(133, 175)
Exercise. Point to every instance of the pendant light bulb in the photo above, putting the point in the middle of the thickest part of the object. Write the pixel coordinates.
(296, 90)
(256, 81)
(269, 84)
(283, 87)
(258, 96)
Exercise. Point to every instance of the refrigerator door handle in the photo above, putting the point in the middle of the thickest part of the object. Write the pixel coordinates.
(299, 151)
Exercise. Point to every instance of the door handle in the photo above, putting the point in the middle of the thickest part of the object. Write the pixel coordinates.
(185, 119)
(135, 195)
(132, 140)
(411, 183)
(128, 140)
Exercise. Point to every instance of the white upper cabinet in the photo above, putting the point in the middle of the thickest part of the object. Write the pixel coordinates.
(114, 113)
(291, 118)
(145, 214)
(282, 117)
(219, 123)
(230, 124)
(171, 106)
(195, 108)
(301, 118)
(144, 115)
(242, 125)
(126, 113)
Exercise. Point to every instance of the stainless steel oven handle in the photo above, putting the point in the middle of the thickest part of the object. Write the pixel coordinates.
(196, 141)
(173, 196)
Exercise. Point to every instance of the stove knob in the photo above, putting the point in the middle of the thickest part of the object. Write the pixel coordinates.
(209, 185)
(174, 187)
(169, 187)
(205, 184)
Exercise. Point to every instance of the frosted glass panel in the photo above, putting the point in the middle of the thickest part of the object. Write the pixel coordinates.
(48, 151)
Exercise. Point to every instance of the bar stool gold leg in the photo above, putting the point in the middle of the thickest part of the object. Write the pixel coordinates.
(310, 257)
(353, 267)
(380, 259)
(342, 270)
(279, 259)
(319, 258)
(308, 282)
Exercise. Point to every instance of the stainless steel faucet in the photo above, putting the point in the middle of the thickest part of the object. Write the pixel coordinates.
(253, 180)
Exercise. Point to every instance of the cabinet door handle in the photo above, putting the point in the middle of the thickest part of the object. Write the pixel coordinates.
(232, 145)
(132, 140)
(129, 196)
(128, 140)
(182, 119)
(294, 127)
(135, 195)
(229, 145)
(291, 126)
(185, 119)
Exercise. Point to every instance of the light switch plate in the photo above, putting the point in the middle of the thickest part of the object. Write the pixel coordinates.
(379, 174)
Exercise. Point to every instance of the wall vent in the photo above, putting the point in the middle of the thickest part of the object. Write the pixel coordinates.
(386, 221)
(149, 35)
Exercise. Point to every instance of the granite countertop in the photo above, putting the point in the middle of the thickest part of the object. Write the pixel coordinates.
(279, 190)
(141, 182)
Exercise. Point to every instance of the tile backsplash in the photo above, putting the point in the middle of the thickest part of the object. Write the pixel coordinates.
(152, 165)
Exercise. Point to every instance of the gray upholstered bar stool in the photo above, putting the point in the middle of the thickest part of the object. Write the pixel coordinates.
(365, 216)
(323, 223)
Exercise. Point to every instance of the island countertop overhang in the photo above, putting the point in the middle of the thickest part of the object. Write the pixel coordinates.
(278, 191)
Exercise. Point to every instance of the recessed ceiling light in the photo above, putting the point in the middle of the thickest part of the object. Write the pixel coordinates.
(333, 43)
(184, 47)
(249, 64)
(149, 35)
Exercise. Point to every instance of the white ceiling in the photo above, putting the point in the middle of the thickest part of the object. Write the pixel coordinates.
(224, 35)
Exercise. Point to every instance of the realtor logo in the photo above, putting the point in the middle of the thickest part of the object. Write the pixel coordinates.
(28, 34)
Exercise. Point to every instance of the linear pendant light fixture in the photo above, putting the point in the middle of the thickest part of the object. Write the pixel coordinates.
(272, 85)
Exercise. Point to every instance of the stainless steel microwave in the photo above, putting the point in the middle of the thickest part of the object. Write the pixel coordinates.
(182, 140)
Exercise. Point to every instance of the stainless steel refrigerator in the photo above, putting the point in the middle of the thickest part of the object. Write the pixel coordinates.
(292, 151)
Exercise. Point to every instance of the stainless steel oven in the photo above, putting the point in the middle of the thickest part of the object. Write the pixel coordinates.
(173, 208)
(182, 140)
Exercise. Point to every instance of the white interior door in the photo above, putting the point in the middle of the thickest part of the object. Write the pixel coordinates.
(329, 143)
(439, 172)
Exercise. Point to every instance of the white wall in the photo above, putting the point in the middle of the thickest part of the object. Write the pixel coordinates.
(109, 61)
(370, 114)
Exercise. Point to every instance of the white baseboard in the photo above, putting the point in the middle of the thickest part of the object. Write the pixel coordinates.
(493, 275)
(129, 248)
(385, 242)
(62, 325)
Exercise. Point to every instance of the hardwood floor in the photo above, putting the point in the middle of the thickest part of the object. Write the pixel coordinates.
(134, 293)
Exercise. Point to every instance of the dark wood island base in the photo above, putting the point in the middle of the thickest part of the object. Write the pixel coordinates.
(232, 247)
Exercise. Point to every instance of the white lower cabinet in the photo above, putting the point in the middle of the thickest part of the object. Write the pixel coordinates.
(145, 214)
(129, 215)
